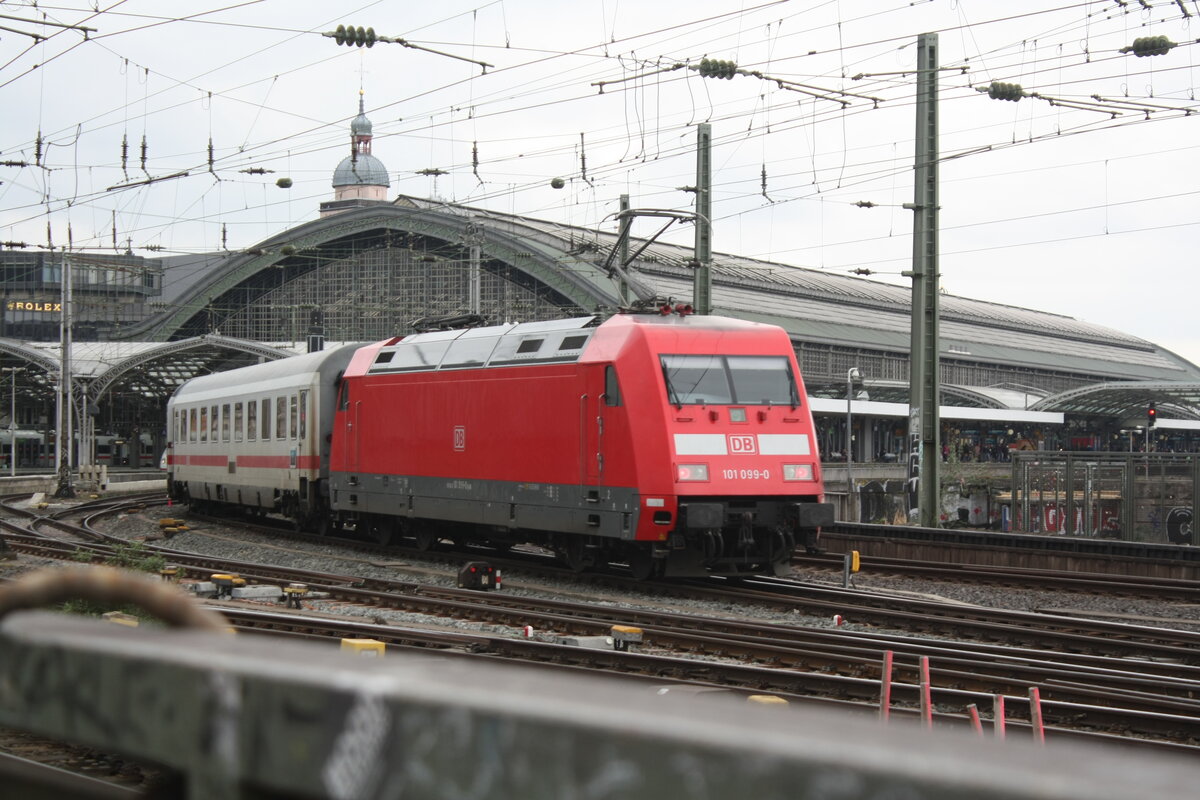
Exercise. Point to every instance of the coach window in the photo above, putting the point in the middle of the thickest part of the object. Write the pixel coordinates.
(612, 389)
(214, 432)
(204, 424)
(280, 418)
(293, 417)
(193, 425)
(251, 420)
(266, 418)
(237, 422)
(225, 420)
(303, 415)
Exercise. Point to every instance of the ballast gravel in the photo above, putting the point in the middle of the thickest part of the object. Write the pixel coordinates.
(234, 543)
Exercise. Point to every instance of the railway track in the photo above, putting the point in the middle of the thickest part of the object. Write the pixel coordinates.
(1147, 685)
(1015, 577)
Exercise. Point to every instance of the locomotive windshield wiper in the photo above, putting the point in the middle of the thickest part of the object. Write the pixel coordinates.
(792, 391)
(671, 396)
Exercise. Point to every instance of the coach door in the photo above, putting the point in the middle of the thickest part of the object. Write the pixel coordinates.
(590, 425)
(594, 403)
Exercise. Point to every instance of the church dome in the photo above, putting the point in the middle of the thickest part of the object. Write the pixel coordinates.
(362, 169)
(361, 126)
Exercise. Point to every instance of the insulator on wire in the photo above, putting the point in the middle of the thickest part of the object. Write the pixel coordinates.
(224, 237)
(475, 160)
(144, 151)
(125, 154)
(37, 149)
(716, 68)
(1149, 46)
(355, 37)
(1005, 91)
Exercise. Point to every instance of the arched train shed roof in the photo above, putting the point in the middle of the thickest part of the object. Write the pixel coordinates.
(816, 307)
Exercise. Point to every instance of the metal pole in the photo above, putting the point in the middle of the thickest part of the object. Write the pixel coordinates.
(852, 374)
(924, 383)
(65, 417)
(702, 282)
(12, 428)
(623, 255)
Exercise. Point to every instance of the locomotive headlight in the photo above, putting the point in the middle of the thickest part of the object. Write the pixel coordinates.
(797, 472)
(691, 472)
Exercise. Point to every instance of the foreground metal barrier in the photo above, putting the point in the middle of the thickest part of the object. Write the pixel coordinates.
(242, 717)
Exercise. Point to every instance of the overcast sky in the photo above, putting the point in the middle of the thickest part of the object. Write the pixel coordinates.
(1083, 201)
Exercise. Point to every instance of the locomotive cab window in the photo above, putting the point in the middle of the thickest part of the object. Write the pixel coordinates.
(763, 380)
(612, 389)
(729, 380)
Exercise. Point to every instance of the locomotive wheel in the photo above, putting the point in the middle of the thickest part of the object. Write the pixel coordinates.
(425, 538)
(384, 531)
(575, 555)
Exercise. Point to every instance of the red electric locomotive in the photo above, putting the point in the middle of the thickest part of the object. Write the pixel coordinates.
(679, 444)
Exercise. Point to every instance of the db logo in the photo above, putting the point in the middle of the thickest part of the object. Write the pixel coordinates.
(742, 445)
(460, 437)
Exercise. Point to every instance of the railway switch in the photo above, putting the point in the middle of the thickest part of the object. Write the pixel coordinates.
(293, 593)
(226, 582)
(625, 635)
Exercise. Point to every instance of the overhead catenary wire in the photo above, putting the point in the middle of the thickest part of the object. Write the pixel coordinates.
(593, 169)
